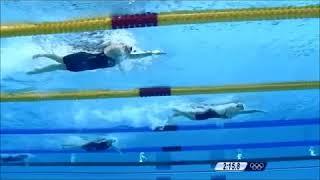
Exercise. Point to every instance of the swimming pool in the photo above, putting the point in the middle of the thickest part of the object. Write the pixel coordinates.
(206, 55)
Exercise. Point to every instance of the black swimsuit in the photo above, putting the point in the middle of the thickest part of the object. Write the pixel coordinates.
(14, 158)
(97, 146)
(207, 115)
(83, 61)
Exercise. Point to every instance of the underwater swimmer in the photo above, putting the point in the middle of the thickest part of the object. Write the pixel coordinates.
(14, 158)
(101, 144)
(221, 111)
(113, 54)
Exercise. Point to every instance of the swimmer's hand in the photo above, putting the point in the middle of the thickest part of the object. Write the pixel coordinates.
(117, 149)
(157, 52)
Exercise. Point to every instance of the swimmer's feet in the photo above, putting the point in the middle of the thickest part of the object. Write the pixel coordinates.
(160, 128)
(177, 113)
(31, 73)
(36, 56)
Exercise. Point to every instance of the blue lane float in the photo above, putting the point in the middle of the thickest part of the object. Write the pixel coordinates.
(227, 125)
(263, 145)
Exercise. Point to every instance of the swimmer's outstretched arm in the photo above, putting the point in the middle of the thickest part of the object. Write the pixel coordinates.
(144, 54)
(218, 104)
(251, 111)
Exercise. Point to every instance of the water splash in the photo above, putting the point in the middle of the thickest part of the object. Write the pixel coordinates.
(239, 154)
(152, 114)
(142, 157)
(74, 140)
(312, 151)
(16, 57)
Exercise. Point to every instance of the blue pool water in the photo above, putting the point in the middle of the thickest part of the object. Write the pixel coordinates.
(286, 136)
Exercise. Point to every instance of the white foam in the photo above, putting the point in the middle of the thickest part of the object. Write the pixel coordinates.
(16, 57)
(151, 115)
(128, 38)
(74, 140)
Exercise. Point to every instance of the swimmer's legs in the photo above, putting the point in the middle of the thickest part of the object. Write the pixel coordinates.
(50, 68)
(54, 57)
(69, 146)
(178, 113)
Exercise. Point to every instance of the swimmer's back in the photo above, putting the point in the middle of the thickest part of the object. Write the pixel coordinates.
(207, 115)
(83, 61)
(97, 146)
(14, 158)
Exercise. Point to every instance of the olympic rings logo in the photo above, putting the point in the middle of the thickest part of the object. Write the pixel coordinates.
(255, 166)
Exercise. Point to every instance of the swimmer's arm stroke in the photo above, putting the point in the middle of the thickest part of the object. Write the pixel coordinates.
(144, 54)
(120, 67)
(116, 149)
(103, 45)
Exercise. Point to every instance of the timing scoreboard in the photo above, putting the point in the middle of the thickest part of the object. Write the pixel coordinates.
(240, 166)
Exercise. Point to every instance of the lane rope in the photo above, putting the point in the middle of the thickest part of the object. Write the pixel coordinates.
(227, 125)
(159, 19)
(263, 145)
(157, 91)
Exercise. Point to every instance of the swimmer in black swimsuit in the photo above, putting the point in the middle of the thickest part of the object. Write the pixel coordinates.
(113, 55)
(221, 111)
(101, 144)
(14, 158)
